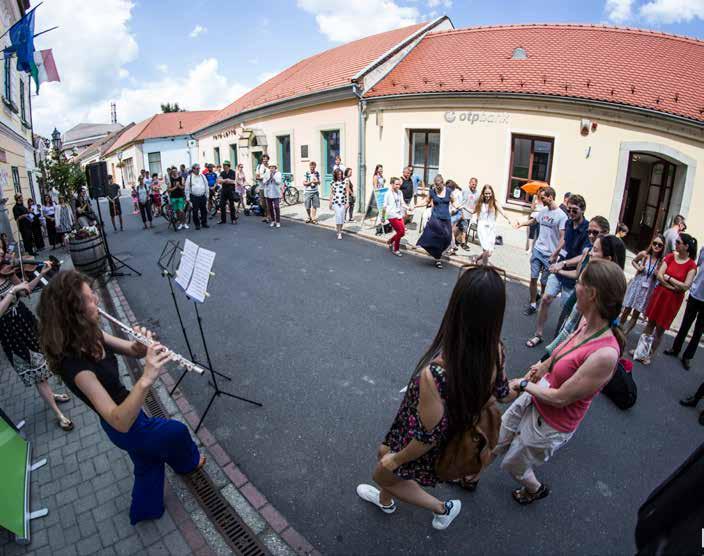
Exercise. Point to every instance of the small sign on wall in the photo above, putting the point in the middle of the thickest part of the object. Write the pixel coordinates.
(304, 152)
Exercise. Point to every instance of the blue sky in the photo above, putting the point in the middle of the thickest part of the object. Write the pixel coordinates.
(205, 53)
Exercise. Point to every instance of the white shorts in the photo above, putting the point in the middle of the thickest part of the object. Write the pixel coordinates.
(526, 440)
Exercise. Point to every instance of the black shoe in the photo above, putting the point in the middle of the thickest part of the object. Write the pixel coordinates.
(206, 226)
(197, 227)
(530, 310)
(692, 401)
(670, 352)
(221, 222)
(686, 363)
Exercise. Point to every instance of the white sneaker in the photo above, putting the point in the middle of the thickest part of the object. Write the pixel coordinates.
(272, 224)
(371, 494)
(186, 226)
(443, 521)
(278, 225)
(339, 236)
(180, 227)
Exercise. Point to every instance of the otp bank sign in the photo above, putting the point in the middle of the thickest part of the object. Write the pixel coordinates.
(477, 117)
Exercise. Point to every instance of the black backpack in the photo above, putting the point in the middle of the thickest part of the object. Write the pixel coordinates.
(622, 389)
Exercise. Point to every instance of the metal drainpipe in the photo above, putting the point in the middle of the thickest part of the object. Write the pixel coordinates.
(361, 158)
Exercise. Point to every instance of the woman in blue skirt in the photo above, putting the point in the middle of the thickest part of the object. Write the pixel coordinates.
(437, 234)
(84, 356)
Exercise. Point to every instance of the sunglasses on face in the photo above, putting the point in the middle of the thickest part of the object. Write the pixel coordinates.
(592, 232)
(658, 244)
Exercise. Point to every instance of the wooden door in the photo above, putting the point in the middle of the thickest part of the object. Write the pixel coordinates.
(330, 149)
(657, 203)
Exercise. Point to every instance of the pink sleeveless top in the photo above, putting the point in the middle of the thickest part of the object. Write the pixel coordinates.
(566, 419)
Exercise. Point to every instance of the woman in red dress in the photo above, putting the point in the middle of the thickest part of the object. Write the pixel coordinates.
(675, 276)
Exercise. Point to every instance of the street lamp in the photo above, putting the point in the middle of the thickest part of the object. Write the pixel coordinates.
(56, 140)
(122, 175)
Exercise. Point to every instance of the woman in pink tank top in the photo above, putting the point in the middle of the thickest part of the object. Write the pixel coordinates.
(557, 393)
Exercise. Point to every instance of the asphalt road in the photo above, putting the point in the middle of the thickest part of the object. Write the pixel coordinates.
(325, 333)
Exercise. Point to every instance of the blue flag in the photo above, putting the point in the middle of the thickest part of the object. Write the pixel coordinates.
(22, 39)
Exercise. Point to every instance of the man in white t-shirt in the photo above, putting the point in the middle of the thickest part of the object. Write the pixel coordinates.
(547, 247)
(469, 202)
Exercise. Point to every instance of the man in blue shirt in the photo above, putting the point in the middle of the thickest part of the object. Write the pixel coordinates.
(694, 311)
(576, 239)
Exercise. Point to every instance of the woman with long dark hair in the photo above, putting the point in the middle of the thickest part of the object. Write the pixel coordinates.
(339, 195)
(675, 276)
(451, 384)
(437, 234)
(485, 211)
(84, 356)
(642, 285)
(549, 411)
(49, 213)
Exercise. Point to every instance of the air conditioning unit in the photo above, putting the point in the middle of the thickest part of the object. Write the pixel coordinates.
(192, 143)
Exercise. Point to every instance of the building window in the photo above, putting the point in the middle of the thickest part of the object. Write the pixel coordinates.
(23, 112)
(16, 179)
(216, 155)
(424, 153)
(233, 155)
(8, 78)
(129, 170)
(531, 160)
(283, 153)
(154, 160)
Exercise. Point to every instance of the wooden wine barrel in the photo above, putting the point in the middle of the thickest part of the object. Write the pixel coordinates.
(88, 255)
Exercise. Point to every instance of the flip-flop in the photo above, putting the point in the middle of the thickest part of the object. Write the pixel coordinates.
(61, 398)
(65, 424)
(534, 341)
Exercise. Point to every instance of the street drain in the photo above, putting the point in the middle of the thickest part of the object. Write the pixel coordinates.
(239, 537)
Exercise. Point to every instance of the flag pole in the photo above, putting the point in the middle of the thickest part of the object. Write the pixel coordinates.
(35, 36)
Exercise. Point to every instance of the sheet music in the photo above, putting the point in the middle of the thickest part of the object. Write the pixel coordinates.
(201, 274)
(187, 264)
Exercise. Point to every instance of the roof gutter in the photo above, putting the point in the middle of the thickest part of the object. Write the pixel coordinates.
(534, 96)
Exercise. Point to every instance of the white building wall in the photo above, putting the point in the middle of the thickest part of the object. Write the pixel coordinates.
(174, 152)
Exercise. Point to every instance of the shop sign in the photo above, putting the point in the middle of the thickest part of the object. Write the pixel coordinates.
(477, 117)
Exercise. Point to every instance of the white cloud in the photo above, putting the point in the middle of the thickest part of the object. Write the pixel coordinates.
(619, 11)
(197, 30)
(92, 78)
(162, 68)
(672, 11)
(265, 76)
(443, 3)
(342, 20)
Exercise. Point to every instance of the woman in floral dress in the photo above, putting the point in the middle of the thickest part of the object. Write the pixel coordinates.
(452, 382)
(643, 283)
(20, 342)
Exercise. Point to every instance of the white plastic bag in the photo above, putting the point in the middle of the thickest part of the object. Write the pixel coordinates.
(644, 347)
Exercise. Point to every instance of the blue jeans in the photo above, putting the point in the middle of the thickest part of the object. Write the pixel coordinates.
(151, 442)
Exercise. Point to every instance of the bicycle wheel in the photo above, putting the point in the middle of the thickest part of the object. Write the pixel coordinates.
(189, 211)
(291, 195)
(216, 206)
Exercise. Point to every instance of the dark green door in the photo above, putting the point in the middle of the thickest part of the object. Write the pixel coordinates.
(330, 149)
(256, 160)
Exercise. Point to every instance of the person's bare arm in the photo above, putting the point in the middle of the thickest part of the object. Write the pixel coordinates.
(683, 286)
(525, 223)
(594, 373)
(560, 245)
(662, 277)
(636, 262)
(122, 416)
(130, 348)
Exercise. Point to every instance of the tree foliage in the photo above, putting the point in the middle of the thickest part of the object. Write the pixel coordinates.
(67, 176)
(168, 107)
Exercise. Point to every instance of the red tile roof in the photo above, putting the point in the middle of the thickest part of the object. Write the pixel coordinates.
(171, 124)
(631, 67)
(327, 70)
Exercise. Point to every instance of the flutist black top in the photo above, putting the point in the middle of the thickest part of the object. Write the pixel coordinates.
(105, 370)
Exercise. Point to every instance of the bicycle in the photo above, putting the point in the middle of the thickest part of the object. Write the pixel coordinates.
(170, 215)
(289, 192)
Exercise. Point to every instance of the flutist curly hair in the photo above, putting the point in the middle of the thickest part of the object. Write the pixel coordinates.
(85, 358)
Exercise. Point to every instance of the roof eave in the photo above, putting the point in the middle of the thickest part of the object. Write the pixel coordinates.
(273, 104)
(395, 49)
(534, 96)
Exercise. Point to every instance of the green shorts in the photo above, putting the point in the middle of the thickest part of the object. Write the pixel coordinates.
(178, 203)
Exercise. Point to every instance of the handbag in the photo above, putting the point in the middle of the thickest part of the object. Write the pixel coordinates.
(644, 347)
(383, 229)
(621, 389)
(470, 451)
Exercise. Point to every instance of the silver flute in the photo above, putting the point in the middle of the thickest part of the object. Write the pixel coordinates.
(180, 359)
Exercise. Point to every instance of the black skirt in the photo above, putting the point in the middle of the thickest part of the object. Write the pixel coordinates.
(436, 237)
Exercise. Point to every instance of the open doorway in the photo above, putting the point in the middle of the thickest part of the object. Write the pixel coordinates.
(648, 196)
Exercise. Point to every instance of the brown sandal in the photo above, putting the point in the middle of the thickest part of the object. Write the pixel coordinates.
(524, 497)
(65, 424)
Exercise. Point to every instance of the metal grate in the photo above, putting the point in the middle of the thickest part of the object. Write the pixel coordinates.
(239, 537)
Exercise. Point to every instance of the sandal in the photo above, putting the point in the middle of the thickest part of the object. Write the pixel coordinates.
(308, 221)
(61, 398)
(438, 264)
(523, 497)
(65, 424)
(465, 246)
(468, 484)
(534, 341)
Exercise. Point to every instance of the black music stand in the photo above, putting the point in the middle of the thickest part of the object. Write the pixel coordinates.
(168, 262)
(114, 263)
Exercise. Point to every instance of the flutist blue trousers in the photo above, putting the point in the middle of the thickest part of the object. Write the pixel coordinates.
(151, 442)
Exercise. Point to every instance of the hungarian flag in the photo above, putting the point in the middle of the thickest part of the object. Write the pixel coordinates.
(46, 67)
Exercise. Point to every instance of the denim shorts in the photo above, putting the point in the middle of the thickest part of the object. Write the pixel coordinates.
(555, 287)
(539, 263)
(311, 200)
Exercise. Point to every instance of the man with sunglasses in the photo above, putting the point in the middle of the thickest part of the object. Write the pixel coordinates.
(547, 247)
(576, 240)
